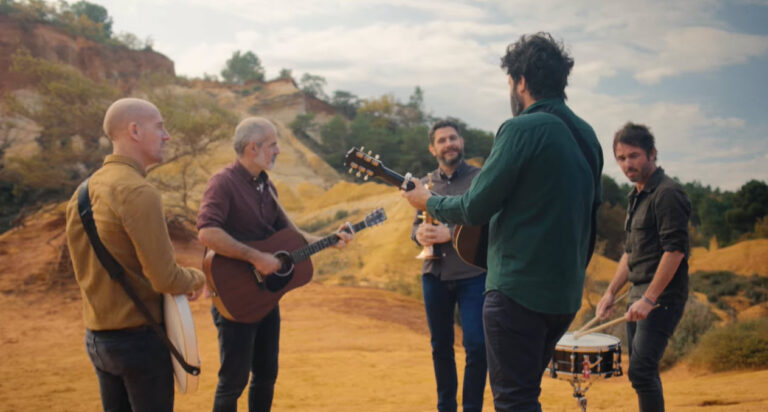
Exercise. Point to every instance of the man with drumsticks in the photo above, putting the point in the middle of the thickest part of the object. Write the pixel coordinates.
(538, 191)
(654, 261)
(447, 281)
(131, 361)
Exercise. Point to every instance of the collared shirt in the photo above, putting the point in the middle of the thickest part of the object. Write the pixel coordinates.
(450, 266)
(128, 212)
(536, 190)
(657, 222)
(240, 204)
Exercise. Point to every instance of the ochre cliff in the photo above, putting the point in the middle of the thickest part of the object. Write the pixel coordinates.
(117, 65)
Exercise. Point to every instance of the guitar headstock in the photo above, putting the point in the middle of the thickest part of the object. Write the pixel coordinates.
(366, 165)
(363, 164)
(376, 217)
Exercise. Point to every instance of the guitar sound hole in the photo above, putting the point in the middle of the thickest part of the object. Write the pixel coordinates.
(286, 264)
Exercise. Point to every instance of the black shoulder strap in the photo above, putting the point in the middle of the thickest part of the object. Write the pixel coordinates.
(591, 162)
(117, 272)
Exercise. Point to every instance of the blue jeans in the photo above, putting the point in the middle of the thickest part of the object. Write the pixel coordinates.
(440, 299)
(247, 349)
(520, 343)
(647, 340)
(134, 370)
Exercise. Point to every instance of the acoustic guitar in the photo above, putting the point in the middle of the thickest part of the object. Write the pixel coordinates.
(470, 242)
(242, 294)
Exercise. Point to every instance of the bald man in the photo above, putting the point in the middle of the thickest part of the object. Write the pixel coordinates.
(132, 364)
(238, 206)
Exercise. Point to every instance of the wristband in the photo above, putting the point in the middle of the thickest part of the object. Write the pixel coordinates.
(648, 301)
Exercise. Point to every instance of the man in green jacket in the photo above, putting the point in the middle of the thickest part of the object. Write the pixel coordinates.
(538, 191)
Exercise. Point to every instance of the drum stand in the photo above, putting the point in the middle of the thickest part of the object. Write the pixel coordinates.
(580, 393)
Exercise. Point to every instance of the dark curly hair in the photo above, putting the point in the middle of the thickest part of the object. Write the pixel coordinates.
(542, 61)
(636, 135)
(439, 125)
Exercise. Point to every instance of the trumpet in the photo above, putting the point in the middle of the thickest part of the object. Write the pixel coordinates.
(428, 252)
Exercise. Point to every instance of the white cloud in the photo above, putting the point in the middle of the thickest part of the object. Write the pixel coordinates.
(696, 49)
(692, 144)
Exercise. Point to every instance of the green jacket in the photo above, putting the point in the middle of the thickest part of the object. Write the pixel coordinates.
(536, 190)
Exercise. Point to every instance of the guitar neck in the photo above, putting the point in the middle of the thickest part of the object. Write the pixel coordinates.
(305, 252)
(395, 179)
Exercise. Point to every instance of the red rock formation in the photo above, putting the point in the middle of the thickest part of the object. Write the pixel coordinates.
(117, 65)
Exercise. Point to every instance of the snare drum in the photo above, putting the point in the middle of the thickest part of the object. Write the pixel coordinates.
(590, 356)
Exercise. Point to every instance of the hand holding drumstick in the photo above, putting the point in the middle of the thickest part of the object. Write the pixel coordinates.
(638, 310)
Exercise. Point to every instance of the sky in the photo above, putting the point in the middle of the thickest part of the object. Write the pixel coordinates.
(692, 70)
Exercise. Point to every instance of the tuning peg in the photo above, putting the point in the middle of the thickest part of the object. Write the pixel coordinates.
(358, 174)
(351, 170)
(362, 148)
(365, 178)
(370, 152)
(376, 157)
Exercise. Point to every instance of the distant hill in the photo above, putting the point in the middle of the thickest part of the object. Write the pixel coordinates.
(745, 258)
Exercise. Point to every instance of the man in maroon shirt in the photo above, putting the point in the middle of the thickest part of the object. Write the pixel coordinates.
(238, 205)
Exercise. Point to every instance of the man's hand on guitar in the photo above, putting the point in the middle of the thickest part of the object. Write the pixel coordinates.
(428, 234)
(265, 263)
(418, 196)
(344, 236)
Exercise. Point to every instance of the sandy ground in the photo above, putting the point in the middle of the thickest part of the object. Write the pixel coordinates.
(342, 349)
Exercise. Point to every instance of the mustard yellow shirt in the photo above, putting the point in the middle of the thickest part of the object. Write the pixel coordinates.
(128, 212)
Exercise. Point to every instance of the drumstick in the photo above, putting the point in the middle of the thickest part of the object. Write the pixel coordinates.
(604, 325)
(599, 328)
(595, 319)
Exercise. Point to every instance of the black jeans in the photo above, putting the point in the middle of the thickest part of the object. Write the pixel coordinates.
(647, 340)
(247, 349)
(520, 342)
(134, 370)
(440, 300)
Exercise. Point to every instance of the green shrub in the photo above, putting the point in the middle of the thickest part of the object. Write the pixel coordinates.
(697, 319)
(719, 284)
(757, 290)
(740, 345)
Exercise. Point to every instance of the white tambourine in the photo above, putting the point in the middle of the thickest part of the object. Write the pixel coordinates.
(180, 327)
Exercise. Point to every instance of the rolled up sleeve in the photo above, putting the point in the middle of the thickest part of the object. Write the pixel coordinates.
(214, 206)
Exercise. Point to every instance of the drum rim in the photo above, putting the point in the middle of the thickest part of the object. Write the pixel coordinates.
(572, 374)
(590, 348)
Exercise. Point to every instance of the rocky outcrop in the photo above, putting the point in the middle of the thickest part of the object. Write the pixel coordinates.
(115, 64)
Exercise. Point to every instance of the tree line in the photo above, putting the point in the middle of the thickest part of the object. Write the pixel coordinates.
(398, 132)
(72, 146)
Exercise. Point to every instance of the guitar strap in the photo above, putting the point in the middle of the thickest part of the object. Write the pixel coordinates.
(117, 273)
(591, 162)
